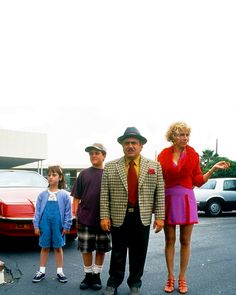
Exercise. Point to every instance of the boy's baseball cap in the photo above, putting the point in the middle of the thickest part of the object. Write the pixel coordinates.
(96, 146)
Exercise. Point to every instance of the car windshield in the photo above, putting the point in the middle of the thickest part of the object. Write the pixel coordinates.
(210, 184)
(22, 179)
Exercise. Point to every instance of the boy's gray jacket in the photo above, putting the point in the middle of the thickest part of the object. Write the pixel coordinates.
(114, 191)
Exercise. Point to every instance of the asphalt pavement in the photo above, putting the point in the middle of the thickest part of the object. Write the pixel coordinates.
(211, 271)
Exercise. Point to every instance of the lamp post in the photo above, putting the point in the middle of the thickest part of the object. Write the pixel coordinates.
(216, 146)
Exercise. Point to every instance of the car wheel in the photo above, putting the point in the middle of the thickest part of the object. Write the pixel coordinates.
(214, 208)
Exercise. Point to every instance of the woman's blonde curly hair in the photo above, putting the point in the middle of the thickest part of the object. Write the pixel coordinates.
(175, 129)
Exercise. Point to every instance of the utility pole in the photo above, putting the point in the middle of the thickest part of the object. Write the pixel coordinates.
(216, 146)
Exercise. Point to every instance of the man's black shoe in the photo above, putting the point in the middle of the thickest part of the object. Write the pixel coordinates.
(109, 290)
(134, 291)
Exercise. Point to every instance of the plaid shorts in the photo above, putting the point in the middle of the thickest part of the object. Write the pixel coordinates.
(93, 238)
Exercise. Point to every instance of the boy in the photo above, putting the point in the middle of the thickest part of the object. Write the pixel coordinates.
(91, 238)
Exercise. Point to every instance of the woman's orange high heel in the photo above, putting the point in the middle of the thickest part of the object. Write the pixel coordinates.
(170, 286)
(182, 286)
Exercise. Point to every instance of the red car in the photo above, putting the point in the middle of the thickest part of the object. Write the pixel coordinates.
(18, 192)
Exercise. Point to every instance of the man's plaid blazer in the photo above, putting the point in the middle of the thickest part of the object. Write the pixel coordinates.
(114, 191)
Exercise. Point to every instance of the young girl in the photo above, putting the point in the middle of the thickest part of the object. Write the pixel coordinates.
(52, 220)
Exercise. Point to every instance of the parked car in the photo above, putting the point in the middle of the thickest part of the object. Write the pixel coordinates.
(18, 192)
(216, 195)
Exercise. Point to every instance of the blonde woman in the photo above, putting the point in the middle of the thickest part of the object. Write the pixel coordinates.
(181, 171)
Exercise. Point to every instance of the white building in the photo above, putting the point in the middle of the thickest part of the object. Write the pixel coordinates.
(19, 148)
(28, 150)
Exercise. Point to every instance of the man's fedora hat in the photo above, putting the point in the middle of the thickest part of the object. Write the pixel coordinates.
(132, 132)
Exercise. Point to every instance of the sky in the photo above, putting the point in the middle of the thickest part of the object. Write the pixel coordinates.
(84, 71)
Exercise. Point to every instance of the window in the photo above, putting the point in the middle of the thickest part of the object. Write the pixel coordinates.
(19, 178)
(210, 184)
(230, 185)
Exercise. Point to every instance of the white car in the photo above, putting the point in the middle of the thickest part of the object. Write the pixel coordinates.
(216, 195)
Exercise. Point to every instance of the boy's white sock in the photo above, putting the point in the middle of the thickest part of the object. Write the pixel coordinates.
(97, 268)
(88, 269)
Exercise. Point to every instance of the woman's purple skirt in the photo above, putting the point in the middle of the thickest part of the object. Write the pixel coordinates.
(181, 206)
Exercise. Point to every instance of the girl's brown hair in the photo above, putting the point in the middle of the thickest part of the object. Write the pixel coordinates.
(57, 169)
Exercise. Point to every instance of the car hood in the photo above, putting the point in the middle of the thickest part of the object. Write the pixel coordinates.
(19, 195)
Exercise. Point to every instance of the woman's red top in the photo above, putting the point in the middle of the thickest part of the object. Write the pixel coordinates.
(186, 173)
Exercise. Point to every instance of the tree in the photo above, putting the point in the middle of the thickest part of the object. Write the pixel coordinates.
(209, 158)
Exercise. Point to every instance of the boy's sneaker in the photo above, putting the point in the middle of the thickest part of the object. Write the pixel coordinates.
(62, 278)
(96, 283)
(38, 277)
(87, 281)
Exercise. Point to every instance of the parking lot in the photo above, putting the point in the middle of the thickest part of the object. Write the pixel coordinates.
(211, 270)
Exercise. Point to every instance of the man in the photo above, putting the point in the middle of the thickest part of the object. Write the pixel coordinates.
(126, 207)
(91, 238)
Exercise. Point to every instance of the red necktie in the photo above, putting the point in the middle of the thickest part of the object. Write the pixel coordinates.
(132, 184)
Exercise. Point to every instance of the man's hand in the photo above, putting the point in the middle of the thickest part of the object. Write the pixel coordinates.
(105, 224)
(158, 225)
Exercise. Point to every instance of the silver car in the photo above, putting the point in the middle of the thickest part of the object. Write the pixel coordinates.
(216, 195)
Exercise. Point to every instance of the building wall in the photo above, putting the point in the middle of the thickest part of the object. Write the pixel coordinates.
(26, 151)
(19, 144)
